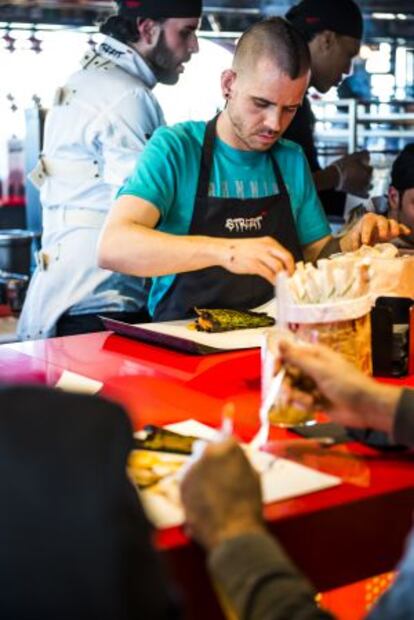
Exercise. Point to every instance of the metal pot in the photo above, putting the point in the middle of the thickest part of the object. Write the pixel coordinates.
(15, 250)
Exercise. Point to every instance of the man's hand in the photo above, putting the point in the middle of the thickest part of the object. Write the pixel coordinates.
(263, 257)
(221, 495)
(354, 174)
(355, 400)
(372, 229)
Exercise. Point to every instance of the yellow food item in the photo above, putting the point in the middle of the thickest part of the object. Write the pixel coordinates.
(223, 320)
(288, 415)
(147, 468)
(287, 411)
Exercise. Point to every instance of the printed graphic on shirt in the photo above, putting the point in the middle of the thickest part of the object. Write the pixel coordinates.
(243, 190)
(111, 51)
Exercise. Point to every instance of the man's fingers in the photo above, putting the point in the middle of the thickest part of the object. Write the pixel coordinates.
(316, 360)
(356, 239)
(368, 226)
(404, 230)
(384, 230)
(262, 270)
(274, 264)
(286, 258)
(394, 228)
(262, 257)
(299, 355)
(377, 227)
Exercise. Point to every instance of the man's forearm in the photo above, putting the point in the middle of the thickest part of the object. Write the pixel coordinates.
(140, 251)
(332, 247)
(380, 403)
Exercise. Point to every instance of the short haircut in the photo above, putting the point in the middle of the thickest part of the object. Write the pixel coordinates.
(276, 39)
(123, 29)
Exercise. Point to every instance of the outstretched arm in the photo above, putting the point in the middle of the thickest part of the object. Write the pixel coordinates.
(129, 244)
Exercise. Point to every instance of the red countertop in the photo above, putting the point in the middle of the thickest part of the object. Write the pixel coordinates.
(336, 536)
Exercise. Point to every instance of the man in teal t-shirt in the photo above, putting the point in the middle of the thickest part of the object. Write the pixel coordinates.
(213, 212)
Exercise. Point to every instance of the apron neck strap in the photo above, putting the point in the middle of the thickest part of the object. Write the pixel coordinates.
(206, 162)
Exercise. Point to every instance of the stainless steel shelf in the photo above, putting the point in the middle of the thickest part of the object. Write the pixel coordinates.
(385, 125)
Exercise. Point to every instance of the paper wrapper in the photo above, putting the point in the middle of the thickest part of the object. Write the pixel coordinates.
(342, 310)
(351, 338)
(345, 327)
(390, 275)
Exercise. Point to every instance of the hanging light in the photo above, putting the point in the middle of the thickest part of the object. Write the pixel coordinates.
(35, 43)
(9, 41)
(12, 101)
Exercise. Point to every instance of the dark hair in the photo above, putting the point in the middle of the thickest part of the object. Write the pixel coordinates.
(122, 28)
(276, 38)
(402, 171)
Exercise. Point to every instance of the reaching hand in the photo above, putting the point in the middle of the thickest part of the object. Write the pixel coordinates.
(372, 229)
(261, 256)
(221, 495)
(354, 173)
(355, 400)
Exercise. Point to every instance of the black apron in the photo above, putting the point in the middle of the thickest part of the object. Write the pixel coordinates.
(232, 218)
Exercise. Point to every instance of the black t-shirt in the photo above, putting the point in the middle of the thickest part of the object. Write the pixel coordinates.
(301, 131)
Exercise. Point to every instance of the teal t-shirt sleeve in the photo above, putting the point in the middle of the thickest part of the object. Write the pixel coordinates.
(154, 177)
(311, 221)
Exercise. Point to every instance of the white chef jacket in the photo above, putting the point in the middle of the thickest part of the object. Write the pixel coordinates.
(98, 126)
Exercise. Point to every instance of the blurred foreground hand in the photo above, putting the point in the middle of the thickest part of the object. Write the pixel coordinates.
(221, 495)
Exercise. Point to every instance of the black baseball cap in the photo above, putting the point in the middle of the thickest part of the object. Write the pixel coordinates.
(341, 16)
(159, 8)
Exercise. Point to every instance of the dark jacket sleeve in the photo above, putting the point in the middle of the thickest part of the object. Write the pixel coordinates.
(402, 435)
(398, 602)
(257, 580)
(403, 432)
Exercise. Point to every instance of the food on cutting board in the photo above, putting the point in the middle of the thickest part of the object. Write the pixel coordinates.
(162, 440)
(146, 468)
(216, 320)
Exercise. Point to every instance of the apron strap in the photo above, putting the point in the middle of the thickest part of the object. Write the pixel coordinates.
(207, 158)
(206, 163)
(279, 178)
